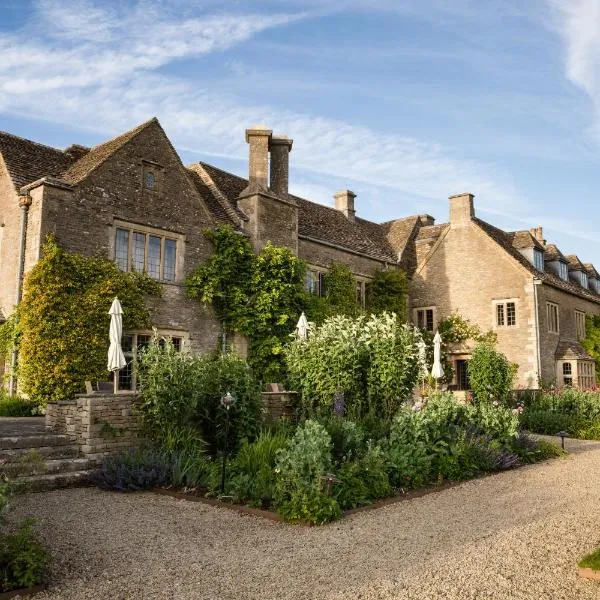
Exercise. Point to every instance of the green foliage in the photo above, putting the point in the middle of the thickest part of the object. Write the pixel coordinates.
(23, 558)
(373, 361)
(8, 335)
(387, 292)
(301, 468)
(592, 340)
(490, 374)
(260, 296)
(340, 291)
(63, 320)
(14, 406)
(591, 561)
(180, 405)
(253, 470)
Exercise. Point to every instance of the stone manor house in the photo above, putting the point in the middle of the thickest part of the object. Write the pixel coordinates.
(133, 200)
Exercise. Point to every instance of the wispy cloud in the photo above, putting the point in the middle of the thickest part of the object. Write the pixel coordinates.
(108, 78)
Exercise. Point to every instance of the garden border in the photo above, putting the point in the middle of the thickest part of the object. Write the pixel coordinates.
(24, 592)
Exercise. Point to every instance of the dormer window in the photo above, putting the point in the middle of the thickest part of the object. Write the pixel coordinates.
(538, 260)
(563, 271)
(584, 280)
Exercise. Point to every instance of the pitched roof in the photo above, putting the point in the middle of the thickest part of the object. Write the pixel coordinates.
(505, 240)
(29, 161)
(574, 263)
(570, 349)
(98, 154)
(591, 270)
(553, 253)
(315, 221)
(524, 239)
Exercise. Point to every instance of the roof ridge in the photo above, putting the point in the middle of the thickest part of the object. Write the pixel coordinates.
(137, 129)
(23, 139)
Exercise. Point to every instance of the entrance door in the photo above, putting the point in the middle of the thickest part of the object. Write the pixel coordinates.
(462, 375)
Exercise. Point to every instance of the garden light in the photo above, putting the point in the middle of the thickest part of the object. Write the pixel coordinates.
(563, 435)
(226, 401)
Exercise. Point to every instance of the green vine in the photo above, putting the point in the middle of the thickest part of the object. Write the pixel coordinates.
(388, 293)
(592, 340)
(62, 321)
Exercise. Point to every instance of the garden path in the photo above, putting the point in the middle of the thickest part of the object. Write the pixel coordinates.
(515, 535)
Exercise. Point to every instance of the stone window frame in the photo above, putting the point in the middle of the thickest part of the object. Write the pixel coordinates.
(313, 280)
(164, 234)
(552, 307)
(508, 305)
(361, 291)
(131, 356)
(580, 324)
(156, 169)
(422, 319)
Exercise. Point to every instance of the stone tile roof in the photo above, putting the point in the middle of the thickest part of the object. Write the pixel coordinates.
(523, 239)
(553, 253)
(574, 263)
(29, 161)
(505, 241)
(431, 232)
(98, 154)
(591, 270)
(316, 221)
(571, 349)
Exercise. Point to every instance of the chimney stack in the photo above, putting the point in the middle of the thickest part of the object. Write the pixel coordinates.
(344, 202)
(461, 209)
(538, 234)
(280, 148)
(258, 138)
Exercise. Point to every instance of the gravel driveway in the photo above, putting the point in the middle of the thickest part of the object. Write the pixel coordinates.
(518, 534)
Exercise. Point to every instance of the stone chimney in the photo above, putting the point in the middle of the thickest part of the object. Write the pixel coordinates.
(280, 148)
(461, 209)
(258, 138)
(538, 234)
(426, 220)
(344, 202)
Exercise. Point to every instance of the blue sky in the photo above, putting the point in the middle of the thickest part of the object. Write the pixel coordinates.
(404, 102)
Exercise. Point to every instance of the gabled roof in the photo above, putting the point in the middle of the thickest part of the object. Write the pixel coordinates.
(505, 240)
(29, 161)
(574, 263)
(553, 253)
(524, 239)
(570, 349)
(98, 154)
(315, 221)
(591, 270)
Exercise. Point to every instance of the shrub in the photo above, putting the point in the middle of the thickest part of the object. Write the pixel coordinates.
(137, 469)
(16, 407)
(180, 404)
(373, 362)
(301, 469)
(490, 374)
(23, 558)
(63, 320)
(591, 561)
(387, 293)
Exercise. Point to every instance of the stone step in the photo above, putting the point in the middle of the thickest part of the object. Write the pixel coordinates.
(47, 467)
(34, 441)
(53, 481)
(44, 451)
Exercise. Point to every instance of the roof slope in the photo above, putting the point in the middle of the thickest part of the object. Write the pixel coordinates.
(505, 240)
(315, 221)
(29, 161)
(98, 154)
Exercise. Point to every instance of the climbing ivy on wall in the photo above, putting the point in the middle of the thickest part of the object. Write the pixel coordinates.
(592, 340)
(62, 320)
(387, 293)
(258, 295)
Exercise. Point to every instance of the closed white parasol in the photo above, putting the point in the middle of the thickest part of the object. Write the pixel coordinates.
(436, 371)
(302, 327)
(116, 358)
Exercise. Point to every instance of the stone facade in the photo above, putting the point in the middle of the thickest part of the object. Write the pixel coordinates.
(100, 424)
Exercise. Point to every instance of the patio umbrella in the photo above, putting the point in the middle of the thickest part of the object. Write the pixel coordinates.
(116, 358)
(302, 327)
(436, 371)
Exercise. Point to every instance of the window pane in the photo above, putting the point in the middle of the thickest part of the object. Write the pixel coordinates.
(139, 247)
(429, 319)
(122, 249)
(511, 314)
(170, 260)
(421, 319)
(500, 315)
(311, 282)
(567, 370)
(154, 256)
(176, 343)
(322, 287)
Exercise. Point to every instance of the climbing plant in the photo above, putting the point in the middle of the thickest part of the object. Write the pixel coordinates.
(592, 340)
(62, 320)
(387, 293)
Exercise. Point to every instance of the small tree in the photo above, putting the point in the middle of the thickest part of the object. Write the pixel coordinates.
(340, 291)
(490, 374)
(387, 293)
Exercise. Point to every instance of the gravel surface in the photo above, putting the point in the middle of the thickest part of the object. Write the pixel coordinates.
(518, 534)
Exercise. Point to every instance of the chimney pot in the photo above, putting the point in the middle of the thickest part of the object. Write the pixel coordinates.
(280, 148)
(258, 138)
(344, 202)
(461, 209)
(538, 234)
